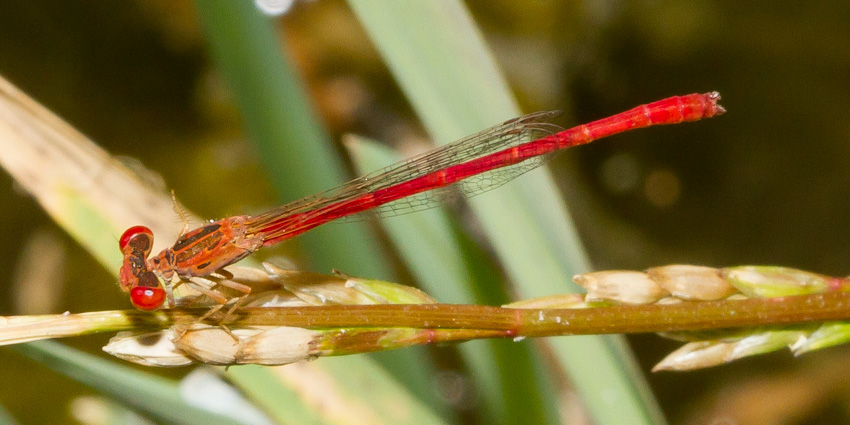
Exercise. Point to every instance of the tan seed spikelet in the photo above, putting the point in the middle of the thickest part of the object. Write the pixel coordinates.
(213, 345)
(696, 355)
(148, 349)
(702, 354)
(692, 282)
(628, 287)
(275, 346)
(278, 346)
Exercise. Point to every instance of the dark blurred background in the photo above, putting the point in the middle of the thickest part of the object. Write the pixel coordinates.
(767, 183)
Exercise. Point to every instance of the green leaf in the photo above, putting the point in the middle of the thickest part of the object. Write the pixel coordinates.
(502, 372)
(341, 390)
(444, 67)
(6, 418)
(155, 397)
(298, 153)
(296, 149)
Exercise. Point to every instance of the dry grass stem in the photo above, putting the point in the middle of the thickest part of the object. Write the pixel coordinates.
(293, 316)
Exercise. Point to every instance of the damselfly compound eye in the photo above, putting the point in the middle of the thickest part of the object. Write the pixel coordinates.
(147, 298)
(131, 233)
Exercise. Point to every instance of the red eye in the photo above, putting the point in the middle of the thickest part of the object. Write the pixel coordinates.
(132, 233)
(147, 298)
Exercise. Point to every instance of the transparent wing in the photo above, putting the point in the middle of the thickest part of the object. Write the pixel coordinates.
(335, 203)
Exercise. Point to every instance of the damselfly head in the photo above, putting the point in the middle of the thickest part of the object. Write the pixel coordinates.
(142, 284)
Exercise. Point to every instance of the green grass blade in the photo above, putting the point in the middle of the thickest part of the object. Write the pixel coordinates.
(426, 239)
(441, 62)
(281, 402)
(297, 151)
(341, 391)
(6, 418)
(150, 395)
(503, 372)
